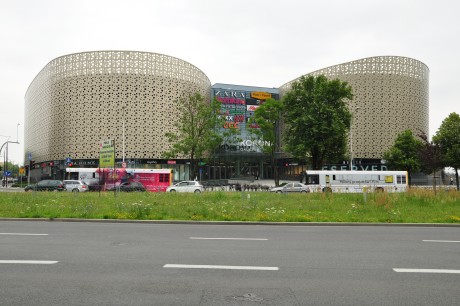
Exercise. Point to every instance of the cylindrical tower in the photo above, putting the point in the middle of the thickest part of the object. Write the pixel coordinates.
(78, 100)
(390, 96)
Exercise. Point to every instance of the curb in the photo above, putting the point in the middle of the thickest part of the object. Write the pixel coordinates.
(234, 222)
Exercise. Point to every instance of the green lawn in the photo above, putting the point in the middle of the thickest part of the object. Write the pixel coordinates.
(415, 206)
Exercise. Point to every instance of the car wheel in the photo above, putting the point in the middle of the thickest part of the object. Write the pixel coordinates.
(279, 191)
(172, 190)
(198, 191)
(75, 190)
(303, 191)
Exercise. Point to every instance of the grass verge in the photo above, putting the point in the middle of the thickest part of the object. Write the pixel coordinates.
(414, 206)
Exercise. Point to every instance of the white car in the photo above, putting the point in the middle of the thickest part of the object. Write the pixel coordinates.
(291, 187)
(75, 186)
(186, 186)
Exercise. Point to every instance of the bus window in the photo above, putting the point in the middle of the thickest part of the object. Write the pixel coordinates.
(312, 179)
(164, 177)
(327, 179)
(388, 178)
(401, 179)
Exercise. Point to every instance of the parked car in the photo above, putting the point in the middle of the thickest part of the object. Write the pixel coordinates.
(186, 186)
(93, 184)
(46, 185)
(291, 187)
(128, 186)
(75, 186)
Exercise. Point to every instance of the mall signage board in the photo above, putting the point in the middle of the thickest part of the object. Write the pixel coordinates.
(107, 154)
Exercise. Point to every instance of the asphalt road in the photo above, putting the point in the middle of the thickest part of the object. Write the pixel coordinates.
(67, 263)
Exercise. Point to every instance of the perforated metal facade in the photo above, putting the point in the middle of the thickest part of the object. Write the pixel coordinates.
(78, 100)
(392, 95)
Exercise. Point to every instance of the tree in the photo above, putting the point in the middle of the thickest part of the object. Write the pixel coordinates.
(403, 155)
(448, 138)
(197, 133)
(267, 117)
(317, 119)
(431, 158)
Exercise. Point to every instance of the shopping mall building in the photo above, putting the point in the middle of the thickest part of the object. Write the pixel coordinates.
(79, 100)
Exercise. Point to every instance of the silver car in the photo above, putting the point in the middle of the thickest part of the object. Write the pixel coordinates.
(291, 187)
(75, 186)
(186, 186)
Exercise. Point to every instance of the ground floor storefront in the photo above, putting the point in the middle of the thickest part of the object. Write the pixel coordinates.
(246, 167)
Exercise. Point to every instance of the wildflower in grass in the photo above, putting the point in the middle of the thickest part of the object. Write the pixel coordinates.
(354, 208)
(274, 211)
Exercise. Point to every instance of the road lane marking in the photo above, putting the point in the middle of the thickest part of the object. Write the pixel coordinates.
(427, 271)
(452, 241)
(29, 262)
(221, 267)
(210, 238)
(23, 234)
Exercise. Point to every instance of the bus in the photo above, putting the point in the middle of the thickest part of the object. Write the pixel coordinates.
(356, 181)
(154, 180)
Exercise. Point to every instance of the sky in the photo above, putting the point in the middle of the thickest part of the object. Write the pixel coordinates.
(246, 42)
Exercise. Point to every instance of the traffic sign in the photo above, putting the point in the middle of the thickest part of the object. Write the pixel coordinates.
(6, 173)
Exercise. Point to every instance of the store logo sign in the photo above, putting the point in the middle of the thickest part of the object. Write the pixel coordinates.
(261, 95)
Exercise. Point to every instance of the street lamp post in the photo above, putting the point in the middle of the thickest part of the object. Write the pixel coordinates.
(5, 164)
(123, 131)
(351, 138)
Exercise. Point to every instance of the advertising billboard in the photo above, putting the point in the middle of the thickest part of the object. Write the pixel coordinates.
(107, 154)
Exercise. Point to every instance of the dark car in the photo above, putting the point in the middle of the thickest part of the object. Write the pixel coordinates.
(94, 184)
(46, 185)
(128, 186)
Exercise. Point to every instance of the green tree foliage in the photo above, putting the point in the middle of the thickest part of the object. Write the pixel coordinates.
(403, 155)
(448, 138)
(317, 119)
(431, 157)
(197, 130)
(267, 118)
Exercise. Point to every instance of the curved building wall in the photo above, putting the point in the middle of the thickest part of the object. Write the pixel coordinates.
(80, 99)
(392, 95)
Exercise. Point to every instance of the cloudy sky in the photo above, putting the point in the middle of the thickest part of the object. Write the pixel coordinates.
(247, 42)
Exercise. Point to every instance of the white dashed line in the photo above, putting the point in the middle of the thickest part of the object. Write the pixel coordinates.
(450, 241)
(427, 271)
(29, 262)
(23, 234)
(221, 267)
(248, 239)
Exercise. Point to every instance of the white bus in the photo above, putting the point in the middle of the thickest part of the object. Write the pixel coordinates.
(356, 181)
